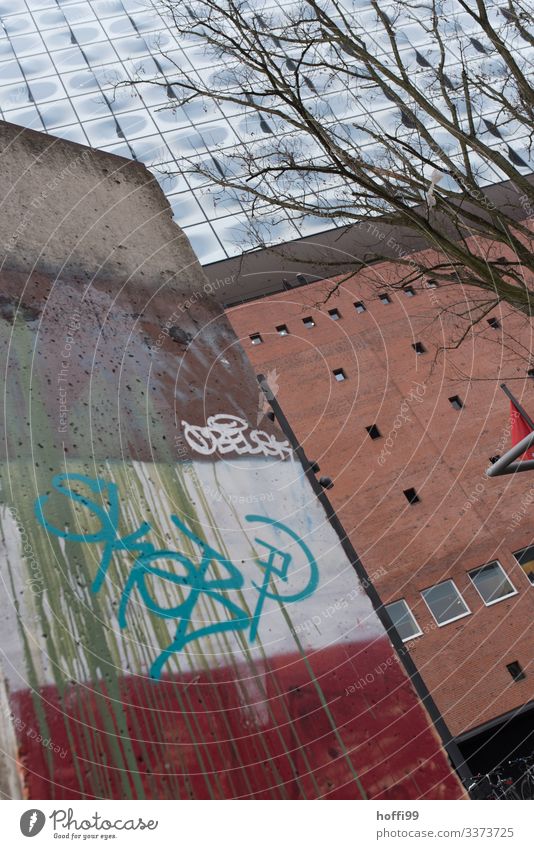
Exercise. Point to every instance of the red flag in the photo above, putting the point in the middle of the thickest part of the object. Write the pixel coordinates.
(520, 429)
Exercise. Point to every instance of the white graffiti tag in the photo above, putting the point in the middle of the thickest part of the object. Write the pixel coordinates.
(226, 433)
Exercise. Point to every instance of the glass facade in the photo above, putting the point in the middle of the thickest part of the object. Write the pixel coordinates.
(60, 61)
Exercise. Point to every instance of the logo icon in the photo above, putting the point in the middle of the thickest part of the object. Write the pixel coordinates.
(32, 822)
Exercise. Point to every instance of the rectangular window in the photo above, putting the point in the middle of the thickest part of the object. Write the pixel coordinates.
(359, 306)
(384, 298)
(282, 330)
(516, 670)
(409, 291)
(373, 431)
(494, 322)
(432, 284)
(492, 583)
(308, 321)
(456, 402)
(256, 339)
(411, 495)
(419, 348)
(525, 558)
(334, 314)
(339, 374)
(530, 372)
(404, 620)
(445, 603)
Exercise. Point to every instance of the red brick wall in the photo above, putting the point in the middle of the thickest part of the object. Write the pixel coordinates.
(463, 519)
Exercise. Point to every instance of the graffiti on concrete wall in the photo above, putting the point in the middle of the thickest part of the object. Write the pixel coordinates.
(226, 433)
(213, 576)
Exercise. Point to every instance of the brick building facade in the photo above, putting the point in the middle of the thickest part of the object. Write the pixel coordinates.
(406, 430)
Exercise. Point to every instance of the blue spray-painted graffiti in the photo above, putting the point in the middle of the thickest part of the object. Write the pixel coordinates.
(196, 579)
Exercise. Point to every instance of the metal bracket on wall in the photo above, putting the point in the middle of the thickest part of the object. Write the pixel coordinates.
(507, 464)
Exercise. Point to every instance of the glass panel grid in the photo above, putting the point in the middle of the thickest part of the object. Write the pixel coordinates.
(51, 55)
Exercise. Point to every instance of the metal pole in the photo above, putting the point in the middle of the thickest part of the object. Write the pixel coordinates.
(503, 466)
(517, 405)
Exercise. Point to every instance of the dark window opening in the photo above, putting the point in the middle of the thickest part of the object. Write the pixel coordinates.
(334, 314)
(360, 307)
(411, 495)
(516, 670)
(494, 322)
(419, 348)
(530, 372)
(308, 322)
(282, 330)
(432, 284)
(256, 339)
(302, 279)
(409, 291)
(456, 402)
(373, 431)
(384, 298)
(339, 374)
(494, 459)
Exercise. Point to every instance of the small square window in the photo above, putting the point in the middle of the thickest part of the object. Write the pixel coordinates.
(445, 602)
(308, 322)
(282, 330)
(339, 374)
(404, 620)
(456, 402)
(494, 458)
(409, 291)
(525, 558)
(494, 322)
(335, 315)
(419, 348)
(384, 298)
(432, 284)
(516, 670)
(373, 431)
(359, 306)
(411, 495)
(256, 339)
(492, 583)
(530, 372)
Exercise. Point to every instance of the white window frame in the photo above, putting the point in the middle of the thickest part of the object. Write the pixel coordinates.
(419, 632)
(454, 618)
(501, 598)
(518, 564)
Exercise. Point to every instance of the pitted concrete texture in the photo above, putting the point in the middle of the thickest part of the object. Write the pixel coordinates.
(86, 213)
